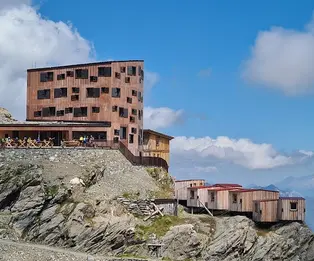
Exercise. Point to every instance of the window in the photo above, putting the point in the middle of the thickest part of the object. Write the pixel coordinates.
(132, 70)
(60, 113)
(46, 77)
(117, 75)
(116, 140)
(123, 112)
(68, 110)
(140, 80)
(80, 112)
(133, 130)
(134, 111)
(139, 97)
(60, 76)
(131, 138)
(139, 70)
(114, 108)
(95, 109)
(157, 143)
(49, 111)
(127, 79)
(134, 93)
(212, 196)
(293, 205)
(60, 92)
(93, 78)
(122, 69)
(74, 97)
(116, 132)
(104, 71)
(129, 100)
(37, 113)
(192, 194)
(70, 74)
(43, 94)
(142, 74)
(132, 119)
(104, 89)
(81, 73)
(92, 92)
(116, 92)
(235, 198)
(75, 90)
(140, 114)
(256, 207)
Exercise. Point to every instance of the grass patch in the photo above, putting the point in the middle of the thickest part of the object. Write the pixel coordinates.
(129, 255)
(262, 232)
(160, 226)
(52, 190)
(131, 196)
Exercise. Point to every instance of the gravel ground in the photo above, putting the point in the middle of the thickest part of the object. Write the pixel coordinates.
(13, 251)
(62, 165)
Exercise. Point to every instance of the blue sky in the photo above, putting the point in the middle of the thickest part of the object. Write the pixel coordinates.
(179, 40)
(214, 69)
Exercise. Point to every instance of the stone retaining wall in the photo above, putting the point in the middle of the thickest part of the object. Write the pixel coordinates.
(146, 208)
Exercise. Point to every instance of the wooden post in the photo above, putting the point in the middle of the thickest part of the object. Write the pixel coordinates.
(210, 213)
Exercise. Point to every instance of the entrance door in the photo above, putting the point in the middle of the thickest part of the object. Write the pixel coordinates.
(123, 133)
(57, 135)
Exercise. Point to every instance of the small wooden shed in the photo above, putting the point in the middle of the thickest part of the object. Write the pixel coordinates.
(241, 200)
(181, 187)
(291, 209)
(265, 210)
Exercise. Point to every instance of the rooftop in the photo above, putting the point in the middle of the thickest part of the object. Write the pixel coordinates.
(185, 180)
(80, 65)
(158, 134)
(51, 123)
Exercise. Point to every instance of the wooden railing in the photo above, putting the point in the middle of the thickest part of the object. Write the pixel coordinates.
(145, 161)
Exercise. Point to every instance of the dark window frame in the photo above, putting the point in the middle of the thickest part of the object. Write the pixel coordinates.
(104, 71)
(95, 109)
(43, 94)
(60, 76)
(105, 89)
(116, 92)
(81, 74)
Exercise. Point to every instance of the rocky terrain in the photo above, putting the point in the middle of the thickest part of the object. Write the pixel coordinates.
(5, 116)
(71, 199)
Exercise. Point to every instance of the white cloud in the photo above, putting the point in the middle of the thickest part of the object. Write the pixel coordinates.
(307, 153)
(241, 152)
(151, 79)
(4, 4)
(207, 169)
(163, 117)
(25, 39)
(283, 59)
(205, 73)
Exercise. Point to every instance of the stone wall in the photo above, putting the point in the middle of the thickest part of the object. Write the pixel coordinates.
(146, 207)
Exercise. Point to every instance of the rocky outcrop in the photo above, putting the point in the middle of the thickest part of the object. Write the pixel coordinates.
(5, 116)
(39, 204)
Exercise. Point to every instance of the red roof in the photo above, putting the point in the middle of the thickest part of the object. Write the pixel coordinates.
(227, 185)
(251, 190)
(292, 198)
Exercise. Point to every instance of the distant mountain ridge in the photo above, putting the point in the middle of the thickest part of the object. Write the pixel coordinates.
(283, 193)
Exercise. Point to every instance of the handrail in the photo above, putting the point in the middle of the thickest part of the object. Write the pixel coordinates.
(140, 160)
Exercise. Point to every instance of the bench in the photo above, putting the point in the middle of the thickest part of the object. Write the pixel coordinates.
(71, 143)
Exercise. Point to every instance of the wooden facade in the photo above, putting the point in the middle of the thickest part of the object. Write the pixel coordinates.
(264, 206)
(109, 92)
(242, 200)
(265, 211)
(156, 144)
(292, 208)
(181, 191)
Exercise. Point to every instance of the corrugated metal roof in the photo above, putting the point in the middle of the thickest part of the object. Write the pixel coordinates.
(292, 198)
